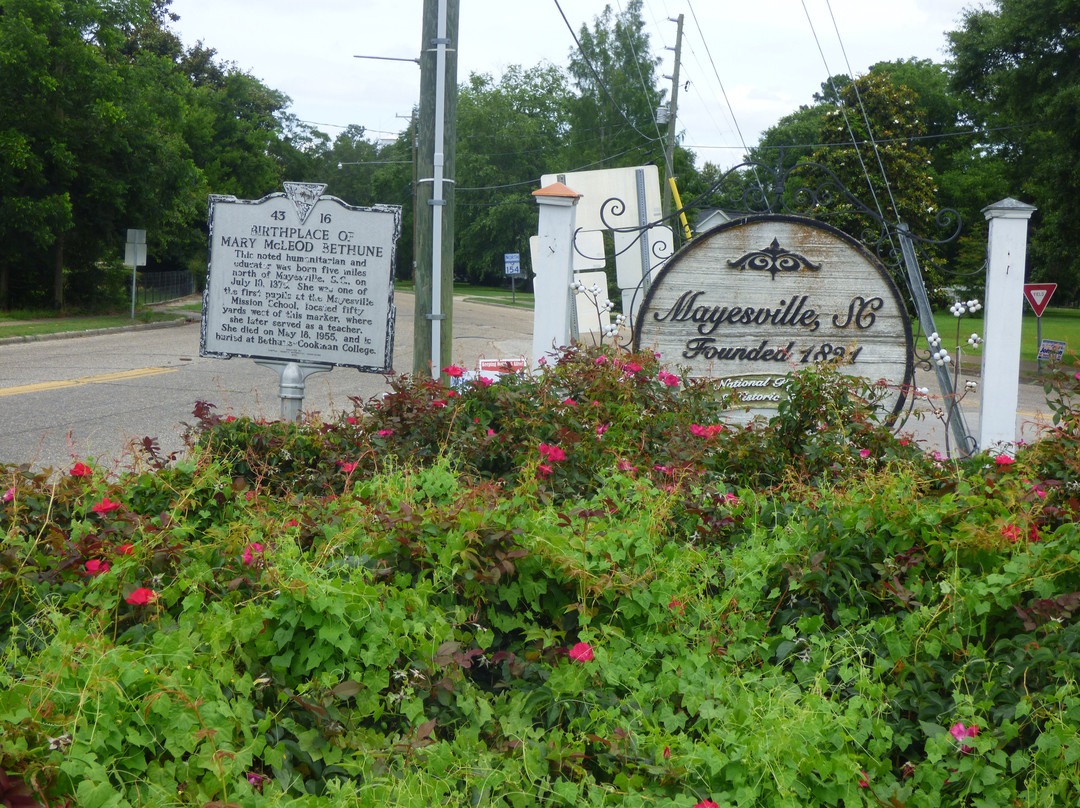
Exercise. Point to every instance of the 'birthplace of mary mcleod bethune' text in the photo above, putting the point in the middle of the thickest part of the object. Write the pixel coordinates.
(302, 285)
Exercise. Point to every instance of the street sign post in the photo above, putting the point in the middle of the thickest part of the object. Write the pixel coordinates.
(512, 263)
(135, 257)
(1038, 296)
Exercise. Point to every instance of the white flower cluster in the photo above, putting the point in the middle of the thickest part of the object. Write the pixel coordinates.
(613, 330)
(577, 286)
(922, 391)
(962, 307)
(971, 386)
(941, 356)
(974, 340)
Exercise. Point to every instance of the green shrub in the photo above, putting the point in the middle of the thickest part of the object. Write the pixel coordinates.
(588, 587)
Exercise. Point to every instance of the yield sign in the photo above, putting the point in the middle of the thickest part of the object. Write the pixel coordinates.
(1038, 295)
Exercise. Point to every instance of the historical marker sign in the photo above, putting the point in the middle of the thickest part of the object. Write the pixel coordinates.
(301, 277)
(755, 298)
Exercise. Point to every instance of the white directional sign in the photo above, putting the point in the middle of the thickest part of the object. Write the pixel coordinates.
(301, 277)
(513, 263)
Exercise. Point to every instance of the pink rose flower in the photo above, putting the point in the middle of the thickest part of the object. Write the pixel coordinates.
(551, 452)
(252, 550)
(141, 596)
(581, 652)
(105, 506)
(960, 732)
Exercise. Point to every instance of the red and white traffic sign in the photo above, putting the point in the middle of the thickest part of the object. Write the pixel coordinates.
(1038, 296)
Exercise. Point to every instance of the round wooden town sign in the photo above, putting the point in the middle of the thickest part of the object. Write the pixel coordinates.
(757, 297)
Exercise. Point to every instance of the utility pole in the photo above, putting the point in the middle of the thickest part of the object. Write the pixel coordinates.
(434, 276)
(413, 139)
(669, 146)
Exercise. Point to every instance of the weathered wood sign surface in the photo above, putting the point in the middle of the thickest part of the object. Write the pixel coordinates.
(301, 277)
(755, 298)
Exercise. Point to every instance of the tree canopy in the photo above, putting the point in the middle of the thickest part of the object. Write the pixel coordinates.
(1016, 66)
(167, 124)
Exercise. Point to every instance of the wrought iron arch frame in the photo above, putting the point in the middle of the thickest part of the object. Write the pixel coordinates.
(814, 191)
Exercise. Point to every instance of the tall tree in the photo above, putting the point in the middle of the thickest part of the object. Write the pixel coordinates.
(1017, 64)
(873, 142)
(510, 133)
(89, 136)
(614, 72)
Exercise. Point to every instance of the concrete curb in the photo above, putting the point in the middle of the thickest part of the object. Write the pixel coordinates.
(188, 318)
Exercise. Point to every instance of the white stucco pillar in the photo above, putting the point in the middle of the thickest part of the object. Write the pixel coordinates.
(553, 265)
(1007, 256)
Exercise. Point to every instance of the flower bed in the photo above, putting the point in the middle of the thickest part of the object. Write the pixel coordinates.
(585, 588)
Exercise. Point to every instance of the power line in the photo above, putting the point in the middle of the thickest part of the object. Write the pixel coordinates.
(716, 72)
(641, 77)
(536, 181)
(596, 75)
(843, 112)
(866, 118)
(941, 136)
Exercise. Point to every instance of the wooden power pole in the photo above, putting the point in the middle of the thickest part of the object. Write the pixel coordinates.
(434, 214)
(669, 146)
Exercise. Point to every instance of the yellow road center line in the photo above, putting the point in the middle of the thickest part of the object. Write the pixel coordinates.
(100, 379)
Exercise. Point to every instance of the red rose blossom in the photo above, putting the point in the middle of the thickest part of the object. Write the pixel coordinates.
(581, 652)
(141, 596)
(105, 506)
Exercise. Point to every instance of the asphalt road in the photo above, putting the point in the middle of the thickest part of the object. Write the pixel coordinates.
(90, 397)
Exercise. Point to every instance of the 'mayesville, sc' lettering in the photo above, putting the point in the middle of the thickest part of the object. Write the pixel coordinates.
(709, 318)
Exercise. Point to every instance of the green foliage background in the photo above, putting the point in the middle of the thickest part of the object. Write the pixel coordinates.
(171, 123)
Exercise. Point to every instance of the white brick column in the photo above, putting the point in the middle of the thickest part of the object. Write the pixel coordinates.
(553, 265)
(1007, 256)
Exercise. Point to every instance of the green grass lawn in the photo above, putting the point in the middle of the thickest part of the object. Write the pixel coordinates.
(1057, 324)
(487, 294)
(17, 324)
(482, 294)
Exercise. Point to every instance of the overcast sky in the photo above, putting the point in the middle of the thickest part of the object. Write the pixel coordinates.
(748, 63)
